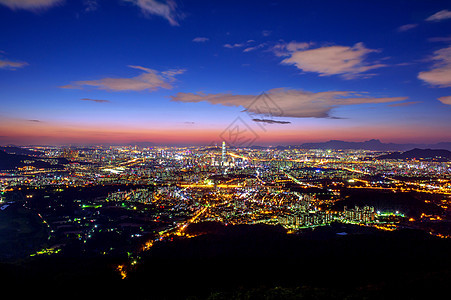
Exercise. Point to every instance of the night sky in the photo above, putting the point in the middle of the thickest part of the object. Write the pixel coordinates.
(180, 72)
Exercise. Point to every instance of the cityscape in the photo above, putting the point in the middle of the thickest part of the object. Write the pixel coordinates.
(163, 149)
(142, 196)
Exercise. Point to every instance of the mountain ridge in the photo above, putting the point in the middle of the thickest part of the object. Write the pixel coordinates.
(373, 144)
(428, 154)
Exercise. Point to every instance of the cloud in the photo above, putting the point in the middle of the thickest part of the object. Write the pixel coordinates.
(348, 62)
(445, 100)
(285, 49)
(170, 73)
(440, 74)
(247, 44)
(248, 49)
(281, 102)
(406, 27)
(150, 80)
(230, 46)
(95, 100)
(200, 39)
(280, 49)
(403, 104)
(35, 121)
(166, 9)
(11, 65)
(444, 39)
(90, 5)
(295, 46)
(440, 16)
(30, 4)
(266, 32)
(269, 121)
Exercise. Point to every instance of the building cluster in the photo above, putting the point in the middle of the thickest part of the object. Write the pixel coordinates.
(357, 215)
(136, 195)
(306, 219)
(366, 214)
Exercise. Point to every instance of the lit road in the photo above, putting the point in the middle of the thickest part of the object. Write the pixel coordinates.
(194, 218)
(300, 182)
(127, 163)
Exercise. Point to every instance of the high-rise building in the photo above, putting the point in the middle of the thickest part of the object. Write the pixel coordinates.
(223, 158)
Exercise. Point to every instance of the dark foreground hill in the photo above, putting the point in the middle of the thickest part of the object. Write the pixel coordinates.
(243, 261)
(254, 262)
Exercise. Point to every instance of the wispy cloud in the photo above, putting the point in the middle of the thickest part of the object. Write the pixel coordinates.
(34, 121)
(408, 103)
(249, 45)
(348, 62)
(253, 48)
(406, 27)
(286, 49)
(231, 46)
(165, 9)
(32, 5)
(95, 100)
(200, 39)
(444, 39)
(11, 65)
(269, 121)
(440, 73)
(290, 102)
(440, 16)
(148, 80)
(90, 5)
(445, 100)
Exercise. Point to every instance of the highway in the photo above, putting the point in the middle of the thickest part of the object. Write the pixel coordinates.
(300, 182)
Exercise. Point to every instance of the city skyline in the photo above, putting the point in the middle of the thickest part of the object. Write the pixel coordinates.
(174, 72)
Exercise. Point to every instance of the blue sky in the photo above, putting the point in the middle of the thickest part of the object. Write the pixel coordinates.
(179, 72)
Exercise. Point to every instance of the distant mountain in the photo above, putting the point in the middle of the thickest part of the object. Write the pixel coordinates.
(375, 145)
(429, 154)
(141, 144)
(20, 151)
(256, 147)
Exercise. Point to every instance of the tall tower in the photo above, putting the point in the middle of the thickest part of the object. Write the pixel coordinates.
(223, 158)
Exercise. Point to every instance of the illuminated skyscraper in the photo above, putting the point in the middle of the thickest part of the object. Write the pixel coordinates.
(223, 158)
